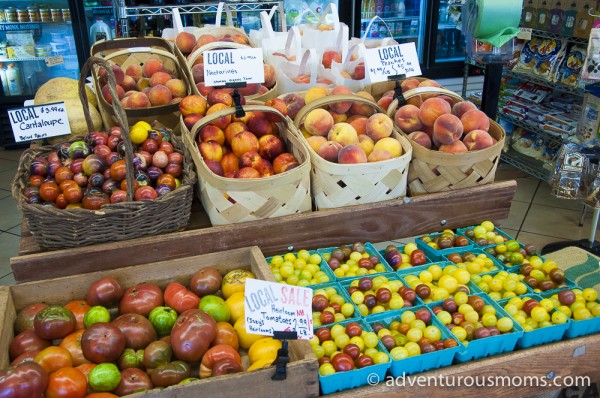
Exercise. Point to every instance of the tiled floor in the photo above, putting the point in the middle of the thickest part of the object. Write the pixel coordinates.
(535, 217)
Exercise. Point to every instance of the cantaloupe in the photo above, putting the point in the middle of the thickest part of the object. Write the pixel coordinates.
(60, 88)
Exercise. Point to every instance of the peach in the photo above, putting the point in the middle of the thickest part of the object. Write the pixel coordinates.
(159, 78)
(428, 130)
(456, 147)
(128, 93)
(211, 150)
(108, 97)
(343, 133)
(278, 104)
(359, 123)
(198, 73)
(359, 71)
(262, 90)
(231, 174)
(125, 102)
(117, 71)
(260, 126)
(240, 38)
(147, 90)
(330, 151)
(247, 172)
(448, 99)
(211, 133)
(318, 122)
(315, 142)
(244, 142)
(429, 83)
(314, 93)
(331, 56)
(294, 103)
(221, 122)
(203, 89)
(478, 139)
(407, 118)
(193, 104)
(421, 138)
(160, 95)
(175, 100)
(249, 159)
(215, 167)
(475, 120)
(177, 87)
(219, 96)
(379, 126)
(151, 66)
(270, 75)
(284, 162)
(359, 108)
(324, 80)
(338, 117)
(366, 143)
(250, 89)
(302, 79)
(143, 83)
(409, 84)
(185, 42)
(416, 101)
(385, 101)
(379, 155)
(431, 109)
(205, 39)
(265, 168)
(447, 129)
(230, 162)
(324, 27)
(135, 71)
(270, 146)
(352, 154)
(390, 144)
(138, 100)
(460, 108)
(191, 119)
(233, 129)
(129, 83)
(341, 106)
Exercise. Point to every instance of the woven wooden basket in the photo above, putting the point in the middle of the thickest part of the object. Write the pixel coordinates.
(129, 51)
(232, 200)
(337, 185)
(55, 228)
(378, 89)
(433, 171)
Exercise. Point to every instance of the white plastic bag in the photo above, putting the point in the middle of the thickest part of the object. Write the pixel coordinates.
(293, 77)
(346, 72)
(291, 51)
(266, 37)
(313, 35)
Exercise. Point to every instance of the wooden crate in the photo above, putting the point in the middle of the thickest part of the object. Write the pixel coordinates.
(302, 371)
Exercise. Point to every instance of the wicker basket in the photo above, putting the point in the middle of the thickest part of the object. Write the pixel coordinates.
(231, 200)
(433, 171)
(55, 228)
(337, 185)
(129, 51)
(378, 89)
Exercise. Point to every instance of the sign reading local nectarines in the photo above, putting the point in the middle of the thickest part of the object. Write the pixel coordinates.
(401, 59)
(233, 66)
(275, 307)
(40, 121)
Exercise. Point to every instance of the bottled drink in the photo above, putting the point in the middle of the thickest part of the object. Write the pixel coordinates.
(99, 31)
(15, 85)
(4, 80)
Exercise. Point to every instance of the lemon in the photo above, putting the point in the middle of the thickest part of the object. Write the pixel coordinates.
(138, 134)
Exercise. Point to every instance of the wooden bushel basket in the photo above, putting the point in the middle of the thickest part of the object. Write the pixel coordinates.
(55, 228)
(233, 200)
(337, 185)
(433, 171)
(129, 51)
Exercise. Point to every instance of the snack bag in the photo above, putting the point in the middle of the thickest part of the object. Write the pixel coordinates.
(591, 67)
(548, 54)
(570, 70)
(528, 57)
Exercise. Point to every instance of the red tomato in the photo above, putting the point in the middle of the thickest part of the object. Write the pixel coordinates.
(191, 335)
(215, 354)
(23, 381)
(49, 191)
(141, 299)
(342, 362)
(26, 341)
(78, 308)
(417, 257)
(226, 335)
(66, 383)
(53, 358)
(72, 343)
(179, 298)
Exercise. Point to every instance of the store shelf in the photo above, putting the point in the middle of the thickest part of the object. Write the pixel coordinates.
(16, 26)
(393, 19)
(542, 33)
(4, 59)
(100, 10)
(146, 11)
(532, 127)
(528, 164)
(543, 82)
(446, 26)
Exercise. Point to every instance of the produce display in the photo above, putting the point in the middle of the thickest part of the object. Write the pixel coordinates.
(501, 285)
(329, 305)
(577, 304)
(404, 258)
(373, 295)
(439, 283)
(445, 240)
(485, 234)
(353, 260)
(533, 314)
(302, 268)
(475, 262)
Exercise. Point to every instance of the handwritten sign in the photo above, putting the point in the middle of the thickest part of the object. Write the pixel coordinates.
(391, 61)
(53, 61)
(524, 34)
(271, 307)
(233, 66)
(40, 121)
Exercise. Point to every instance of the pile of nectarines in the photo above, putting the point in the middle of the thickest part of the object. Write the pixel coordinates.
(144, 86)
(347, 132)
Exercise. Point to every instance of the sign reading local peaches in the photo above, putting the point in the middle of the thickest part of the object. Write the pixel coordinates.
(274, 307)
(401, 59)
(233, 66)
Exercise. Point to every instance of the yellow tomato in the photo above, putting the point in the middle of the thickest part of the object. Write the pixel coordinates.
(235, 303)
(234, 281)
(261, 363)
(265, 348)
(246, 339)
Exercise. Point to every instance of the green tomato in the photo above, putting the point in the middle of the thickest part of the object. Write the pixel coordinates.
(163, 319)
(94, 315)
(104, 377)
(216, 307)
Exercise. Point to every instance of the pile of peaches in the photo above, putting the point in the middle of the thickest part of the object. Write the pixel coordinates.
(346, 132)
(188, 44)
(144, 86)
(437, 122)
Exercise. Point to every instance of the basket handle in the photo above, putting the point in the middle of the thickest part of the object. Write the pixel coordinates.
(223, 6)
(330, 99)
(211, 46)
(117, 109)
(422, 90)
(154, 51)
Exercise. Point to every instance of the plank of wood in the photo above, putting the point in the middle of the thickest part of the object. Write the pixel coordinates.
(376, 222)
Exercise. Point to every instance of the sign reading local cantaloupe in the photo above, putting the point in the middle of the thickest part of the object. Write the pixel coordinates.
(40, 121)
(274, 307)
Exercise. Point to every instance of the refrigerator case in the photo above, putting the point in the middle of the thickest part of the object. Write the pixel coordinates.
(301, 11)
(96, 13)
(450, 42)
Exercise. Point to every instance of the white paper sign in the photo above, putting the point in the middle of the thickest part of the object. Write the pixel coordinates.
(391, 61)
(40, 121)
(233, 66)
(53, 61)
(524, 34)
(275, 307)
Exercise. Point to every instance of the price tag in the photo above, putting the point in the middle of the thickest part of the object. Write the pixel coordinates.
(391, 61)
(233, 66)
(524, 34)
(40, 121)
(271, 307)
(53, 61)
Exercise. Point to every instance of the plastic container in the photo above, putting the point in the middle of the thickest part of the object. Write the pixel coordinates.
(401, 250)
(323, 266)
(342, 292)
(437, 255)
(99, 31)
(529, 291)
(578, 328)
(369, 249)
(15, 85)
(340, 381)
(423, 362)
(501, 232)
(497, 264)
(4, 80)
(43, 50)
